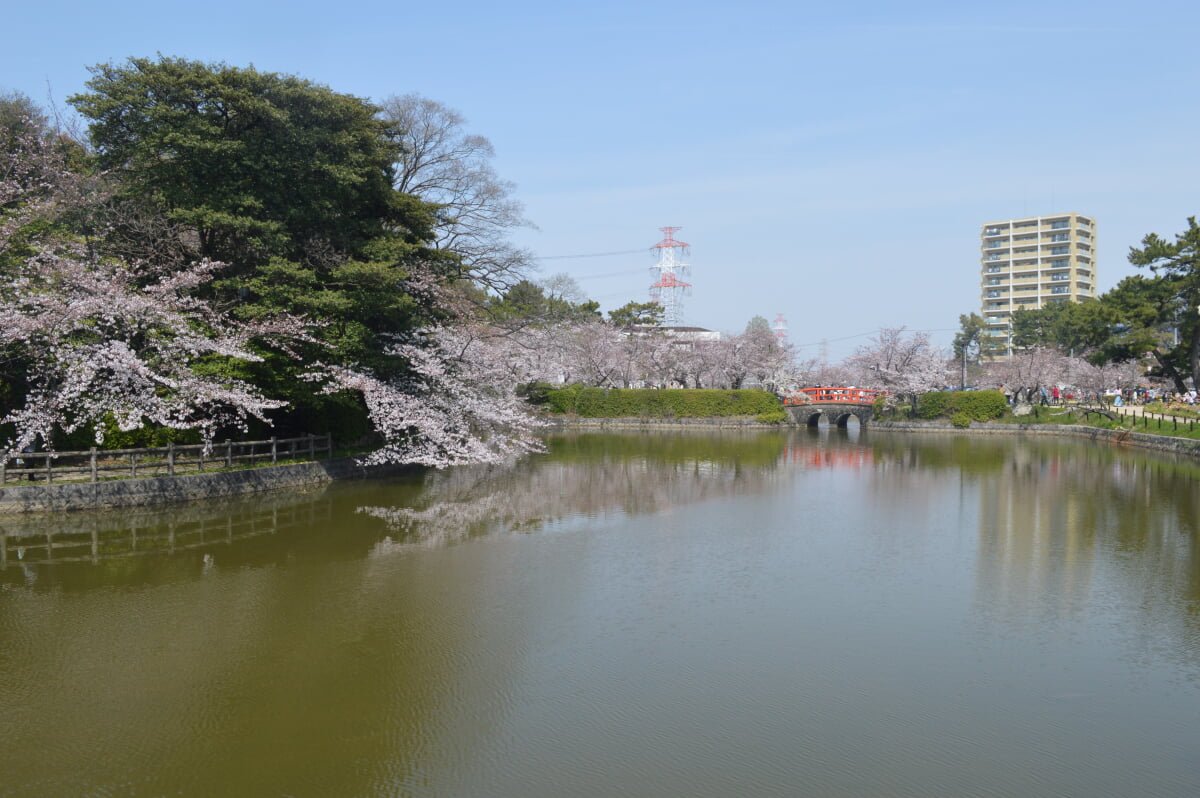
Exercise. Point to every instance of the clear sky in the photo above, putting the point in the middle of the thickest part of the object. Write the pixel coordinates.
(832, 162)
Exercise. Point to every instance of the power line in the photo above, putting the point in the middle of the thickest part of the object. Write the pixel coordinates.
(589, 255)
(624, 273)
(869, 332)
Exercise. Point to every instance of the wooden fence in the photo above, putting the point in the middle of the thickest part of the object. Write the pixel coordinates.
(95, 464)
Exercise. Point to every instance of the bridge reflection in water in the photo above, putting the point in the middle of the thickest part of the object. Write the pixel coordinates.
(807, 406)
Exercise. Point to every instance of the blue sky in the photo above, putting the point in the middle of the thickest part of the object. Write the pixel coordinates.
(830, 162)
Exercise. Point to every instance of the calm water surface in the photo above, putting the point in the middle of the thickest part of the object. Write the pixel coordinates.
(758, 614)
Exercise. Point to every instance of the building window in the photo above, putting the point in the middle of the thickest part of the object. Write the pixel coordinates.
(1060, 289)
(1060, 237)
(993, 294)
(1063, 225)
(994, 244)
(993, 269)
(1060, 250)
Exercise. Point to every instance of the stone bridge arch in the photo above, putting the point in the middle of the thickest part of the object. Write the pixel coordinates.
(807, 406)
(836, 415)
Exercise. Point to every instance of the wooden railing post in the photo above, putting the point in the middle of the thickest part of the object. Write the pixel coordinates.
(312, 447)
(133, 465)
(329, 445)
(49, 466)
(274, 450)
(170, 458)
(92, 458)
(228, 453)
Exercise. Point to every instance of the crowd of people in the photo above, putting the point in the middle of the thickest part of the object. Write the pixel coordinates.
(1139, 395)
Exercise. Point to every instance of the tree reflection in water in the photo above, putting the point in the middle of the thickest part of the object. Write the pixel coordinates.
(583, 476)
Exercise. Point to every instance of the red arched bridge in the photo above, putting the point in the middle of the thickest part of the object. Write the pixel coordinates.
(806, 406)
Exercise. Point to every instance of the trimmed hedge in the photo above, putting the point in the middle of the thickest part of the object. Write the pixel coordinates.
(962, 407)
(667, 403)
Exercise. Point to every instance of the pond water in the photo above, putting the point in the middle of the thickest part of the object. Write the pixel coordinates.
(811, 612)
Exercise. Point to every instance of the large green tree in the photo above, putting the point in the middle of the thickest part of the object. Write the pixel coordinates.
(256, 164)
(1074, 327)
(290, 183)
(1176, 293)
(1137, 317)
(972, 343)
(637, 314)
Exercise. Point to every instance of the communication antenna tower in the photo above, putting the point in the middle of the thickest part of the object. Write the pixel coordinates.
(780, 327)
(668, 289)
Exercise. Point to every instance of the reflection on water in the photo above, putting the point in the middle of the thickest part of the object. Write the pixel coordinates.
(92, 536)
(856, 612)
(587, 476)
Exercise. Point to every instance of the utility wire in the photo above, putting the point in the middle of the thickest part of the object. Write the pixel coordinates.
(608, 274)
(868, 332)
(592, 254)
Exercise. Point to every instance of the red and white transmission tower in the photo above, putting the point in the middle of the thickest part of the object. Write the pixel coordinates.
(668, 289)
(780, 327)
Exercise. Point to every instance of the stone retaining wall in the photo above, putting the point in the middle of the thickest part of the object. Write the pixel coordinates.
(35, 498)
(718, 422)
(1141, 440)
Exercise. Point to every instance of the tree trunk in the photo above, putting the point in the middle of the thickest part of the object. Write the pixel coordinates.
(1171, 371)
(1194, 357)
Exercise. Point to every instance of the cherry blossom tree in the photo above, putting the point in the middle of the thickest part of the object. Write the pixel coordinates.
(1030, 369)
(457, 403)
(900, 363)
(1093, 380)
(92, 338)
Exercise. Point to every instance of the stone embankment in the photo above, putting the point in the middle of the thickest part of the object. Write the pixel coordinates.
(1161, 443)
(716, 422)
(35, 498)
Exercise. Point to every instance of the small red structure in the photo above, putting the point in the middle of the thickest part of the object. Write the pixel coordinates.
(845, 396)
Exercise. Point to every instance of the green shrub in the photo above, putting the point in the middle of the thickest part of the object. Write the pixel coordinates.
(960, 419)
(778, 416)
(934, 404)
(973, 405)
(669, 403)
(879, 407)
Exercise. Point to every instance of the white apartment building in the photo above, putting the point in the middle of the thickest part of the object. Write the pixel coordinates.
(1031, 262)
